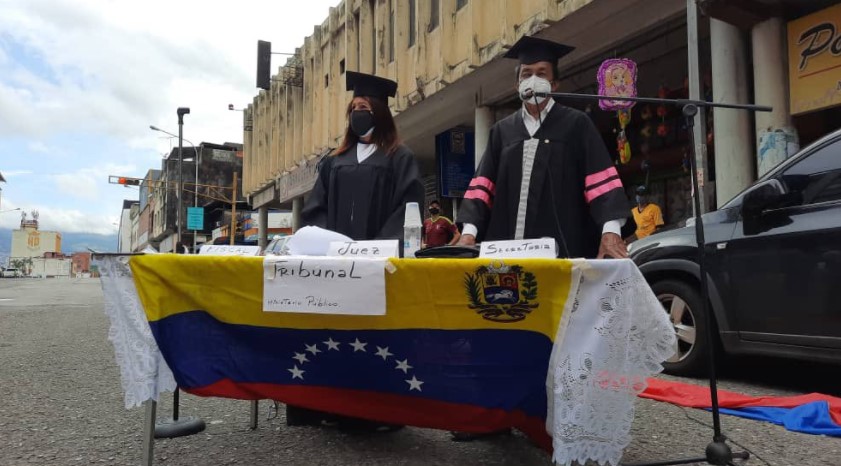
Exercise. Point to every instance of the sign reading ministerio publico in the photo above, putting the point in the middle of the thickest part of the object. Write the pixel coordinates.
(814, 56)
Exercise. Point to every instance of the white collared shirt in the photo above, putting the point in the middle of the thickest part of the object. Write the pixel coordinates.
(363, 151)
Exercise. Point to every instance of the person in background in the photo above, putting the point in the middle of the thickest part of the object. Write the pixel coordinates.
(647, 215)
(437, 229)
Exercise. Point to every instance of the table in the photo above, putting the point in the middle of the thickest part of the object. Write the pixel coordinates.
(561, 355)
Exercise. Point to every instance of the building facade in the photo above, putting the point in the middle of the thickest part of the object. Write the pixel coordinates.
(453, 84)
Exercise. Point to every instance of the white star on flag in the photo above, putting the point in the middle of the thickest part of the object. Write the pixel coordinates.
(414, 384)
(383, 352)
(358, 345)
(332, 345)
(301, 357)
(313, 349)
(299, 374)
(403, 366)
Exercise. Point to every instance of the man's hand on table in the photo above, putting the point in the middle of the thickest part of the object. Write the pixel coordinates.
(467, 240)
(612, 246)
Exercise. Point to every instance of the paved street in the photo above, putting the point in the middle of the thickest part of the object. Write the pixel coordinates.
(61, 403)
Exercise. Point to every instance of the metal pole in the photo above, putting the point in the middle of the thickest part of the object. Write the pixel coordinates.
(180, 177)
(234, 210)
(148, 448)
(196, 194)
(700, 133)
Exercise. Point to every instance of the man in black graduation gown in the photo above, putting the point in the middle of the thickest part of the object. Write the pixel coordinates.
(546, 171)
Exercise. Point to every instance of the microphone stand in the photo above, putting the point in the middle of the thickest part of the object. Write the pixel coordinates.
(717, 452)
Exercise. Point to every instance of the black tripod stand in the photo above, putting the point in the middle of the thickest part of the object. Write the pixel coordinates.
(717, 452)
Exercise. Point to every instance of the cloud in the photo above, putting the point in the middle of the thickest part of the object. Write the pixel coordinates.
(84, 183)
(37, 146)
(15, 173)
(63, 221)
(78, 75)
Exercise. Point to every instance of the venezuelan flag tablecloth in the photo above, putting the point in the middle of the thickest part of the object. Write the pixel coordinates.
(558, 349)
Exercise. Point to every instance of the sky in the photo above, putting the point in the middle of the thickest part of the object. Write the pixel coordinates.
(81, 81)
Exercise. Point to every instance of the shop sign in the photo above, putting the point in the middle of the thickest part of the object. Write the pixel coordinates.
(814, 56)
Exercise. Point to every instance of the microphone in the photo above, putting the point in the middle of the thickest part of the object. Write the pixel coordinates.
(527, 94)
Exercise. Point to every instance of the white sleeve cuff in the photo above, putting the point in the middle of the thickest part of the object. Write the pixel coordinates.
(470, 229)
(614, 226)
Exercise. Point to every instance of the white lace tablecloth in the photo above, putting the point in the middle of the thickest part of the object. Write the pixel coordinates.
(614, 336)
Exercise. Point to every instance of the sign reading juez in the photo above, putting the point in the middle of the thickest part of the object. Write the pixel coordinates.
(324, 285)
(542, 248)
(382, 248)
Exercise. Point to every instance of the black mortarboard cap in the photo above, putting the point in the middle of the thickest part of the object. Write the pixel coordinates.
(368, 85)
(529, 50)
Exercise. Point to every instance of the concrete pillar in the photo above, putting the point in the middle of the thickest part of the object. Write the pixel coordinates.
(732, 130)
(263, 227)
(297, 205)
(776, 137)
(483, 122)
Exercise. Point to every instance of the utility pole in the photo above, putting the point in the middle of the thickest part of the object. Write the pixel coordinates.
(181, 112)
(234, 197)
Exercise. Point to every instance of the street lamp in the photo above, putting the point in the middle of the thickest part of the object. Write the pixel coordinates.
(196, 186)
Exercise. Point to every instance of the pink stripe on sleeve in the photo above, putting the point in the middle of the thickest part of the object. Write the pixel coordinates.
(600, 176)
(480, 195)
(483, 182)
(595, 193)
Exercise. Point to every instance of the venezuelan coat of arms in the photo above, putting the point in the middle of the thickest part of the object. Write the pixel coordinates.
(501, 293)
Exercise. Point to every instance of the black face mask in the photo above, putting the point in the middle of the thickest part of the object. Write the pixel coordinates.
(361, 121)
(434, 210)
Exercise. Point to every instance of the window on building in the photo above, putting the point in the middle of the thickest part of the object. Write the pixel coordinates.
(413, 24)
(326, 80)
(434, 14)
(460, 4)
(342, 66)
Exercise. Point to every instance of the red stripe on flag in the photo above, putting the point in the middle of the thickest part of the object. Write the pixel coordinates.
(385, 407)
(596, 178)
(483, 182)
(479, 194)
(594, 193)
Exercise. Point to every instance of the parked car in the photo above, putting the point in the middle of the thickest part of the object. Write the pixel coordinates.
(11, 272)
(773, 262)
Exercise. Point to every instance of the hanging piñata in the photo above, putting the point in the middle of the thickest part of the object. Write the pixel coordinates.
(618, 78)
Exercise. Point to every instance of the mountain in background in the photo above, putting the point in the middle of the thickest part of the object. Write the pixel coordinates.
(70, 243)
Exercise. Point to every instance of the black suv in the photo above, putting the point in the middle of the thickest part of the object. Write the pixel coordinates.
(773, 262)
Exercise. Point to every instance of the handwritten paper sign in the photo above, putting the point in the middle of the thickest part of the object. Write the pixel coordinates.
(384, 248)
(542, 248)
(324, 285)
(228, 250)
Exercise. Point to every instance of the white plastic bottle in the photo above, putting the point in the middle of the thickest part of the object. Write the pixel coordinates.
(412, 226)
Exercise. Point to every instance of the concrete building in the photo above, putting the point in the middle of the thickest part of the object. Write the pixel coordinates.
(30, 242)
(124, 235)
(454, 84)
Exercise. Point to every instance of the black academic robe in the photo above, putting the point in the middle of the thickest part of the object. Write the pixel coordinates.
(365, 200)
(574, 188)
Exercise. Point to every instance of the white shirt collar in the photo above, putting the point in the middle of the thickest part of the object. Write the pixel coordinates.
(363, 151)
(532, 123)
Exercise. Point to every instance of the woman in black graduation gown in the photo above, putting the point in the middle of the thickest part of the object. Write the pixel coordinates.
(363, 187)
(361, 191)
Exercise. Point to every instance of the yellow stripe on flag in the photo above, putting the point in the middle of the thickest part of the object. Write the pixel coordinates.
(445, 294)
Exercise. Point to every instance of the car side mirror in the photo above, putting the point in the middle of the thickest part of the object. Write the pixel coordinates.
(766, 195)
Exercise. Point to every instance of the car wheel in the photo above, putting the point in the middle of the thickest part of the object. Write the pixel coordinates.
(682, 302)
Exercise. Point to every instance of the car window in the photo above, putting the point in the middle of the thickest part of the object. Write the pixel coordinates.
(818, 176)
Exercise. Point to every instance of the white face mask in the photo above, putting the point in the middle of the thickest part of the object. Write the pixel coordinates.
(533, 84)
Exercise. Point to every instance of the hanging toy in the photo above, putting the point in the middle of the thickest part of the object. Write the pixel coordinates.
(624, 147)
(618, 78)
